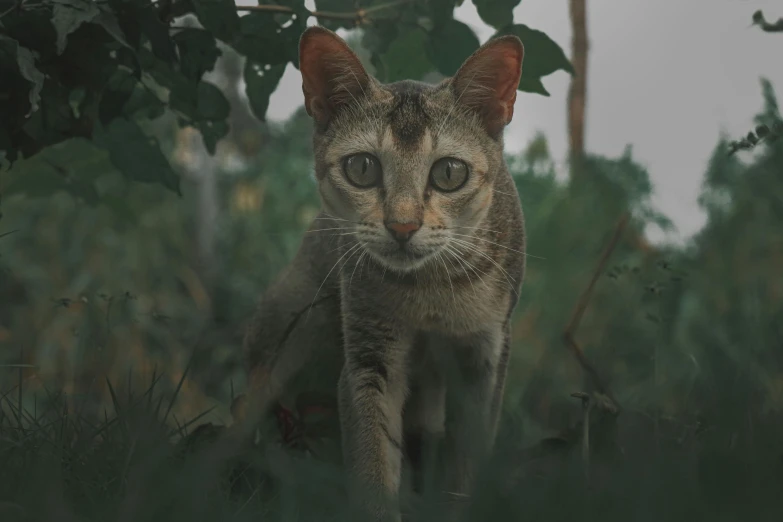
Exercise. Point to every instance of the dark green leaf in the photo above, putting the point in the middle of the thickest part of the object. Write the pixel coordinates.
(262, 40)
(198, 52)
(441, 11)
(206, 111)
(211, 103)
(762, 131)
(543, 56)
(404, 58)
(116, 94)
(260, 82)
(337, 6)
(158, 35)
(108, 21)
(71, 166)
(68, 16)
(25, 61)
(135, 154)
(212, 131)
(496, 13)
(218, 17)
(533, 85)
(450, 44)
(7, 151)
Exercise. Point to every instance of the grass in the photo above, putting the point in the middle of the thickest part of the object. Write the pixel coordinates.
(58, 463)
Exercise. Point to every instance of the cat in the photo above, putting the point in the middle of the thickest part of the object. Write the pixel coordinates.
(412, 269)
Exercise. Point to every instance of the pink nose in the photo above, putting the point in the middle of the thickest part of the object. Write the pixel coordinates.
(402, 231)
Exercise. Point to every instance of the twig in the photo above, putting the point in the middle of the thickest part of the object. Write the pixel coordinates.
(587, 406)
(581, 306)
(359, 17)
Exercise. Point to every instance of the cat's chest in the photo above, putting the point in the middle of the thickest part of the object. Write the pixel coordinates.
(452, 310)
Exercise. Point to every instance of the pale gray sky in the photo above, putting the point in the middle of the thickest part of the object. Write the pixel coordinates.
(664, 75)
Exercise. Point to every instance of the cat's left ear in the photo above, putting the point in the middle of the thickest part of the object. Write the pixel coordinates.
(487, 81)
(332, 75)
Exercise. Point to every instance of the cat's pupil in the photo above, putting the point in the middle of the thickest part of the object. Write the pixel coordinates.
(365, 165)
(448, 171)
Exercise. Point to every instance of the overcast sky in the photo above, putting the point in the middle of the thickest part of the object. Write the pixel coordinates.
(664, 75)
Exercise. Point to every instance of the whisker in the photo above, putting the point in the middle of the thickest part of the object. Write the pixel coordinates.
(452, 254)
(330, 218)
(472, 267)
(501, 246)
(479, 252)
(357, 245)
(453, 295)
(479, 228)
(364, 252)
(324, 230)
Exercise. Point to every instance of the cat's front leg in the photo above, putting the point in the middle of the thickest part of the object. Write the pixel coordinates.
(372, 393)
(472, 389)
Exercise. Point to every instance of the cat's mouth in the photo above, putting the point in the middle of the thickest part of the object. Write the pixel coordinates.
(403, 257)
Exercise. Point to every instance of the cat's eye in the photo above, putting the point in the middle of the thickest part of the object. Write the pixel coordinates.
(362, 170)
(448, 174)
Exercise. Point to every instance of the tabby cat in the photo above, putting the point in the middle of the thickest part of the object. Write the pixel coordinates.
(411, 270)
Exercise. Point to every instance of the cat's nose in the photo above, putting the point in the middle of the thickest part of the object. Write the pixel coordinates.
(402, 232)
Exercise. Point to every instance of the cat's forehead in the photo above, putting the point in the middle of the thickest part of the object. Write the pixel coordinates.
(409, 113)
(405, 120)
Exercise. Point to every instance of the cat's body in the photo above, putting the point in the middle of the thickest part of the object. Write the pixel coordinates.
(413, 268)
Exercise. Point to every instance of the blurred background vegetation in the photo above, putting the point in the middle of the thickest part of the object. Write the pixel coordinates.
(143, 284)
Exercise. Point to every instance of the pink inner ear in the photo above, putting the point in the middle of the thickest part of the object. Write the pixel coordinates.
(506, 58)
(488, 80)
(331, 72)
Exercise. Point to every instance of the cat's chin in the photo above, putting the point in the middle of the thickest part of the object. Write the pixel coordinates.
(401, 260)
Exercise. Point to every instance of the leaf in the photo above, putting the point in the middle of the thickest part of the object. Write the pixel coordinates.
(532, 85)
(71, 166)
(441, 11)
(158, 35)
(116, 93)
(496, 13)
(213, 109)
(218, 17)
(543, 56)
(136, 155)
(7, 151)
(260, 83)
(450, 44)
(261, 39)
(108, 21)
(338, 6)
(404, 58)
(68, 16)
(25, 61)
(198, 52)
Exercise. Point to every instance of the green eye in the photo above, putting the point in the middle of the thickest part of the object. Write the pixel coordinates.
(362, 170)
(448, 174)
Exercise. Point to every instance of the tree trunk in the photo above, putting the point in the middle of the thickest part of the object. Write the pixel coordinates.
(577, 94)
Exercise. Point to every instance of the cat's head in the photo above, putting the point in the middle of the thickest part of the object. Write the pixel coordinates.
(408, 167)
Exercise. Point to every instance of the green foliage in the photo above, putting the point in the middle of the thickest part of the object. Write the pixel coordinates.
(496, 13)
(102, 71)
(542, 57)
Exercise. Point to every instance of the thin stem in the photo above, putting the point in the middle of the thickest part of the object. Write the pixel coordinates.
(358, 17)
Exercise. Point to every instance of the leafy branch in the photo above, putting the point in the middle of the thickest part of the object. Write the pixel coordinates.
(767, 27)
(762, 133)
(96, 72)
(360, 16)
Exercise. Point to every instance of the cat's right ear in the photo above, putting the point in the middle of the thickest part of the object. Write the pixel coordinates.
(332, 75)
